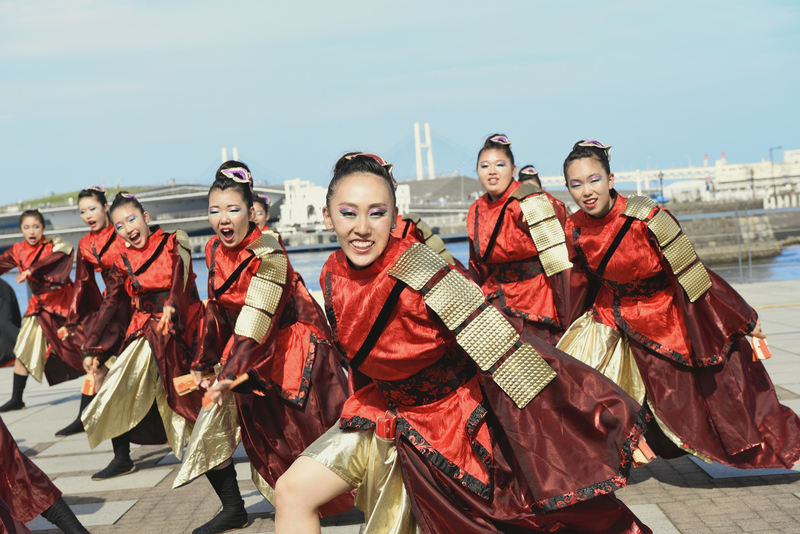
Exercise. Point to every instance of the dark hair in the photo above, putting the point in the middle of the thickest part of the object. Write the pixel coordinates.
(98, 195)
(580, 152)
(528, 173)
(348, 165)
(494, 145)
(223, 183)
(32, 213)
(124, 198)
(259, 199)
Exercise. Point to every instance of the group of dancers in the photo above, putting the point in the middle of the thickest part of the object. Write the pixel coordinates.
(514, 394)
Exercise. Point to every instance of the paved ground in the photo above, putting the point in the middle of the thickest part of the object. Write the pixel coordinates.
(670, 496)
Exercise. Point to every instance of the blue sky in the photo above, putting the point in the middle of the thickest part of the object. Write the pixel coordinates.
(142, 92)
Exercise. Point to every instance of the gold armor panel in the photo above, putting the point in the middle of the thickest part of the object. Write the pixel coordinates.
(523, 375)
(536, 209)
(265, 244)
(487, 337)
(695, 281)
(555, 259)
(663, 227)
(680, 254)
(639, 207)
(263, 295)
(252, 323)
(454, 298)
(417, 265)
(61, 246)
(273, 267)
(547, 234)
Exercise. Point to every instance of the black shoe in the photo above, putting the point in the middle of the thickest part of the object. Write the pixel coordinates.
(116, 468)
(12, 405)
(224, 521)
(64, 518)
(75, 427)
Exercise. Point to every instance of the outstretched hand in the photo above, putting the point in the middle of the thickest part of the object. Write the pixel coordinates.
(756, 332)
(23, 275)
(166, 320)
(217, 392)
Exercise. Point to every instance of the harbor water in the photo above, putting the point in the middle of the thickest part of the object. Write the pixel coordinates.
(786, 266)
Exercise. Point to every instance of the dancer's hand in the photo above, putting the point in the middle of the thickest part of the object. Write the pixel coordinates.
(65, 331)
(90, 364)
(204, 383)
(23, 275)
(756, 332)
(166, 320)
(218, 391)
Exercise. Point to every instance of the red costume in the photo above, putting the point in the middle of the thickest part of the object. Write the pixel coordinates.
(261, 320)
(50, 263)
(24, 488)
(472, 459)
(519, 259)
(154, 277)
(686, 327)
(97, 252)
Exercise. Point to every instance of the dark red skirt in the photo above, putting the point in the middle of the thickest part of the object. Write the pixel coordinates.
(65, 361)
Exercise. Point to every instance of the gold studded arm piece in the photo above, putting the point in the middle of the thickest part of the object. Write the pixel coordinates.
(265, 290)
(61, 246)
(544, 227)
(678, 250)
(485, 337)
(185, 252)
(431, 239)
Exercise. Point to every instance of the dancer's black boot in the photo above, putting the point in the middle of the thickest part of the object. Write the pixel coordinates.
(233, 515)
(76, 427)
(122, 463)
(61, 516)
(16, 396)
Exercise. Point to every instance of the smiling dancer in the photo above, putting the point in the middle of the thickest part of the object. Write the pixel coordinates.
(45, 263)
(155, 271)
(518, 253)
(667, 329)
(537, 444)
(260, 211)
(260, 322)
(97, 251)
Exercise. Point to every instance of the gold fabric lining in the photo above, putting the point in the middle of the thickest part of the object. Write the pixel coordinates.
(370, 464)
(454, 298)
(555, 259)
(417, 265)
(663, 227)
(523, 375)
(263, 295)
(639, 207)
(537, 208)
(31, 347)
(274, 268)
(266, 243)
(60, 246)
(605, 349)
(267, 491)
(680, 254)
(128, 392)
(215, 436)
(252, 323)
(487, 337)
(674, 437)
(695, 281)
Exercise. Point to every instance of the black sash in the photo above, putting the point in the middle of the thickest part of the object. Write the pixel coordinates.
(379, 325)
(613, 248)
(36, 258)
(233, 277)
(153, 257)
(107, 245)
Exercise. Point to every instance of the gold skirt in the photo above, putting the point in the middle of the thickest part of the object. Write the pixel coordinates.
(215, 436)
(31, 347)
(129, 390)
(608, 351)
(370, 464)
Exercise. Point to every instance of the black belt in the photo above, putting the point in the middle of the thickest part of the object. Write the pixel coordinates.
(640, 289)
(516, 271)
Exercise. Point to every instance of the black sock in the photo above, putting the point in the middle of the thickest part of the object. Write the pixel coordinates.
(227, 488)
(19, 386)
(85, 400)
(122, 447)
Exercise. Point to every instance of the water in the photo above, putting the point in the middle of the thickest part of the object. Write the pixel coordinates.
(309, 265)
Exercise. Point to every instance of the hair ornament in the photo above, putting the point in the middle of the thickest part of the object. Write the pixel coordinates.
(382, 162)
(98, 188)
(595, 144)
(128, 195)
(529, 170)
(238, 174)
(500, 139)
(264, 198)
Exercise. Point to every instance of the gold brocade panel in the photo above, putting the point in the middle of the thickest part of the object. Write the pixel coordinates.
(31, 347)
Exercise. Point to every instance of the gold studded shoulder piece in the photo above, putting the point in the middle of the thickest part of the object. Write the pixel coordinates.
(185, 252)
(265, 290)
(488, 336)
(413, 217)
(678, 250)
(431, 239)
(545, 229)
(61, 246)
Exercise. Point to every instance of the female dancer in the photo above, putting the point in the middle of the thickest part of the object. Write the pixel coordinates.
(538, 444)
(46, 264)
(518, 254)
(260, 210)
(155, 271)
(27, 492)
(667, 330)
(97, 251)
(262, 323)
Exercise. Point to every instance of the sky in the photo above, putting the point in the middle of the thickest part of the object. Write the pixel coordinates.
(143, 92)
